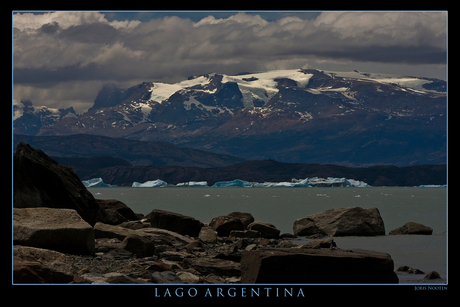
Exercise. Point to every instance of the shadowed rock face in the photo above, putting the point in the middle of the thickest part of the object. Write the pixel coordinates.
(39, 181)
(185, 225)
(342, 222)
(285, 265)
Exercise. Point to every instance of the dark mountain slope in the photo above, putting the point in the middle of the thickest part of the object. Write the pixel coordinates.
(135, 152)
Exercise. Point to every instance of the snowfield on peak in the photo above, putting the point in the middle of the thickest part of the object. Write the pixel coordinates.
(412, 83)
(262, 86)
(162, 91)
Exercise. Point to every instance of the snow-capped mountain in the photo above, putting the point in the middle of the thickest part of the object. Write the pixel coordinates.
(28, 119)
(296, 115)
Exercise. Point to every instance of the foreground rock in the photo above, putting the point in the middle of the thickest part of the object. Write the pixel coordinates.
(39, 181)
(116, 212)
(266, 230)
(354, 221)
(185, 225)
(225, 224)
(156, 235)
(291, 265)
(411, 228)
(36, 265)
(57, 229)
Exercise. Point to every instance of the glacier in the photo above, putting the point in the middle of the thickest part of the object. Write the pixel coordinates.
(96, 182)
(150, 184)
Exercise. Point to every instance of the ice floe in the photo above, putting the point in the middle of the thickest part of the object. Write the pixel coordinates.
(150, 184)
(96, 182)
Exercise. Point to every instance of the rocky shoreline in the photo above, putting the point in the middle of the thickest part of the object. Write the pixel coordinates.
(59, 238)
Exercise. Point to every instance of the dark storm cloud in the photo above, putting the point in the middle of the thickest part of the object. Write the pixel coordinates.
(50, 28)
(90, 33)
(61, 74)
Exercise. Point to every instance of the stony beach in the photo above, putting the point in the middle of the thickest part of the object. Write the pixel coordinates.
(61, 234)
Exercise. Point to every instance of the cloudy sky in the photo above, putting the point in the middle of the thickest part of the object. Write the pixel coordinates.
(62, 59)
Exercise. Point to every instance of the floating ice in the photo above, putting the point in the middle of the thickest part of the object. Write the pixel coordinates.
(96, 182)
(193, 184)
(150, 184)
(433, 186)
(234, 183)
(308, 182)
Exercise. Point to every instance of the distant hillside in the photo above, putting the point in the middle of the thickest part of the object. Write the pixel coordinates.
(134, 152)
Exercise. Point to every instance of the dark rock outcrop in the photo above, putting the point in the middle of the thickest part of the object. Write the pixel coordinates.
(140, 246)
(266, 230)
(224, 224)
(185, 225)
(244, 217)
(57, 229)
(411, 228)
(116, 212)
(291, 265)
(39, 181)
(338, 222)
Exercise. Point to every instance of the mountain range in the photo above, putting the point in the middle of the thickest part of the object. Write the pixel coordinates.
(296, 116)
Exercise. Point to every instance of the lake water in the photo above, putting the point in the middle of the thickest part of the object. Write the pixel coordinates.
(282, 206)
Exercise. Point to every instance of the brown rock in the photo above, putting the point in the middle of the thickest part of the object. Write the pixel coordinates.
(57, 229)
(184, 225)
(267, 230)
(116, 212)
(321, 243)
(338, 222)
(140, 246)
(245, 234)
(411, 228)
(244, 217)
(208, 235)
(224, 224)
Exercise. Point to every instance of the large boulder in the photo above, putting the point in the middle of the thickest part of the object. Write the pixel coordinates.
(411, 228)
(156, 235)
(244, 217)
(57, 229)
(292, 265)
(140, 246)
(39, 181)
(37, 265)
(338, 222)
(266, 230)
(224, 224)
(117, 212)
(184, 225)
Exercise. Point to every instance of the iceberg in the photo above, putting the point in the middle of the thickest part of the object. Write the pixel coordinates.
(150, 184)
(433, 186)
(193, 184)
(96, 182)
(234, 183)
(307, 182)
